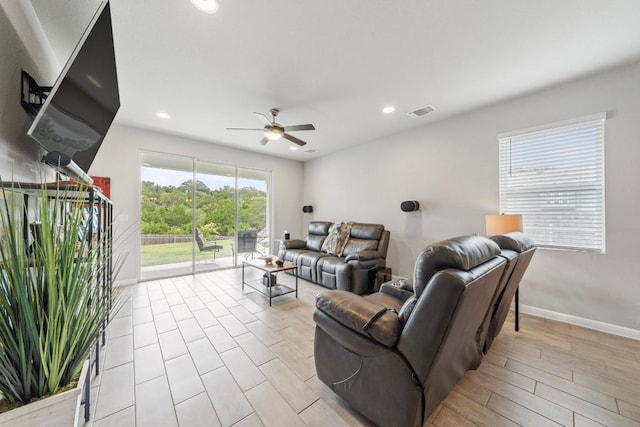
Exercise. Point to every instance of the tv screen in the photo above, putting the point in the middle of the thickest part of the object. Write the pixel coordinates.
(84, 99)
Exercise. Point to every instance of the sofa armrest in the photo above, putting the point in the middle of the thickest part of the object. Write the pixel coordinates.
(361, 315)
(364, 256)
(401, 289)
(293, 244)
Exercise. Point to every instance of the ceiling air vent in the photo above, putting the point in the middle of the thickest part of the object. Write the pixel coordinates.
(421, 111)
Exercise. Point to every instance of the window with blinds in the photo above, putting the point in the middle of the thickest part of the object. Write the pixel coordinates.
(554, 176)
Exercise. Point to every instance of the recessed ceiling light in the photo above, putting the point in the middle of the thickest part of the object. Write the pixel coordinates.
(293, 148)
(207, 6)
(163, 116)
(389, 109)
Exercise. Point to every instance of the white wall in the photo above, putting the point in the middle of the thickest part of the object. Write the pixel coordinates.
(119, 159)
(451, 168)
(23, 45)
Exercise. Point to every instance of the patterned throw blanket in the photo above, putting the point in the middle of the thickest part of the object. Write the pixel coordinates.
(337, 239)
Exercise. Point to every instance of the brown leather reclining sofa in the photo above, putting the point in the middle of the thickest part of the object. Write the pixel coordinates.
(395, 355)
(353, 269)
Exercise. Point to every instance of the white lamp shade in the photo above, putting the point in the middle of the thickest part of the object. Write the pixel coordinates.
(501, 224)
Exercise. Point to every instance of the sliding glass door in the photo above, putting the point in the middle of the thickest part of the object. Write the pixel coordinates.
(215, 214)
(253, 233)
(200, 216)
(166, 217)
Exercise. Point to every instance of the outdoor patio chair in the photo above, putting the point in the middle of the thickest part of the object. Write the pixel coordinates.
(247, 241)
(204, 247)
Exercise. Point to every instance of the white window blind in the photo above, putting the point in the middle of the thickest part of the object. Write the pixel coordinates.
(554, 177)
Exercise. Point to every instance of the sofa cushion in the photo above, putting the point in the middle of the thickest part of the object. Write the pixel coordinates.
(515, 241)
(314, 243)
(462, 253)
(407, 308)
(333, 273)
(337, 239)
(318, 231)
(359, 245)
(385, 300)
(292, 255)
(319, 228)
(363, 237)
(307, 262)
(361, 315)
(366, 231)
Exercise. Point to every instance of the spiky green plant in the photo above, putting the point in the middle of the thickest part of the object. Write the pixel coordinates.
(51, 305)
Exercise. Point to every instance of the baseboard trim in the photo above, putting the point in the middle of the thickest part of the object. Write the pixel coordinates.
(581, 321)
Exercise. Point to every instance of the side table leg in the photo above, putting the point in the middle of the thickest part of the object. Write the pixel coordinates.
(517, 304)
(270, 282)
(243, 277)
(296, 283)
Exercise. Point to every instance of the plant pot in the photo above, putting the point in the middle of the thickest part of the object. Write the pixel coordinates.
(61, 409)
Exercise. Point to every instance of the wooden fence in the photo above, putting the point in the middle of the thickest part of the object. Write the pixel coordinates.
(160, 239)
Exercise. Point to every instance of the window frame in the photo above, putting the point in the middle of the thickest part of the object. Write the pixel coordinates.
(587, 196)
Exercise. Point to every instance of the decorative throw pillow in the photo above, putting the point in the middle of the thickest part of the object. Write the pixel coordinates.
(331, 242)
(337, 239)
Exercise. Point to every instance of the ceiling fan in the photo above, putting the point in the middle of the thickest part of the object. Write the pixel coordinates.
(273, 131)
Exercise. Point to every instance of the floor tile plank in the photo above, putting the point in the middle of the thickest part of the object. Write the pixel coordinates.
(246, 374)
(293, 389)
(583, 407)
(228, 400)
(200, 351)
(272, 408)
(197, 412)
(184, 379)
(204, 356)
(475, 412)
(255, 349)
(518, 414)
(154, 407)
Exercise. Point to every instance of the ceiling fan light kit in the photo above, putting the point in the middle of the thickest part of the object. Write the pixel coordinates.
(206, 6)
(273, 131)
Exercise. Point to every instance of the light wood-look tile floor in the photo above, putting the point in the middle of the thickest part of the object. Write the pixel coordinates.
(197, 351)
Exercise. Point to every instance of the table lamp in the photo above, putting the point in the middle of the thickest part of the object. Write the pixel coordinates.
(501, 224)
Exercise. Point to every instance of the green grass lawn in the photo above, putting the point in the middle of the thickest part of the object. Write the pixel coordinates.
(170, 253)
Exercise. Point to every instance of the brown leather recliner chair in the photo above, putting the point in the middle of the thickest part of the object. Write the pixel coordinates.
(517, 249)
(395, 355)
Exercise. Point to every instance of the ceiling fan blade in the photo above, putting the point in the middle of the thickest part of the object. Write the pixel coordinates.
(244, 129)
(299, 127)
(294, 139)
(264, 119)
(264, 141)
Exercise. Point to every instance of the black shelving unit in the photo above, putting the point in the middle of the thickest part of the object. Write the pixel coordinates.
(100, 213)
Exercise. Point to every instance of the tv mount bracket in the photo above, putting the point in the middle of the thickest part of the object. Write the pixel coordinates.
(32, 95)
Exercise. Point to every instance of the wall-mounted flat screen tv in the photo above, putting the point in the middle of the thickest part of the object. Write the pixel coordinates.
(84, 99)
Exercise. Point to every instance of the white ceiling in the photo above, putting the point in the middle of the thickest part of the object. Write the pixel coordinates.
(337, 63)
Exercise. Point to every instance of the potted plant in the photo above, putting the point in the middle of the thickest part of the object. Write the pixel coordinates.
(52, 306)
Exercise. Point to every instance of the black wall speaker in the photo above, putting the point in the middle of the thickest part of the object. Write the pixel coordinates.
(409, 206)
(307, 209)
